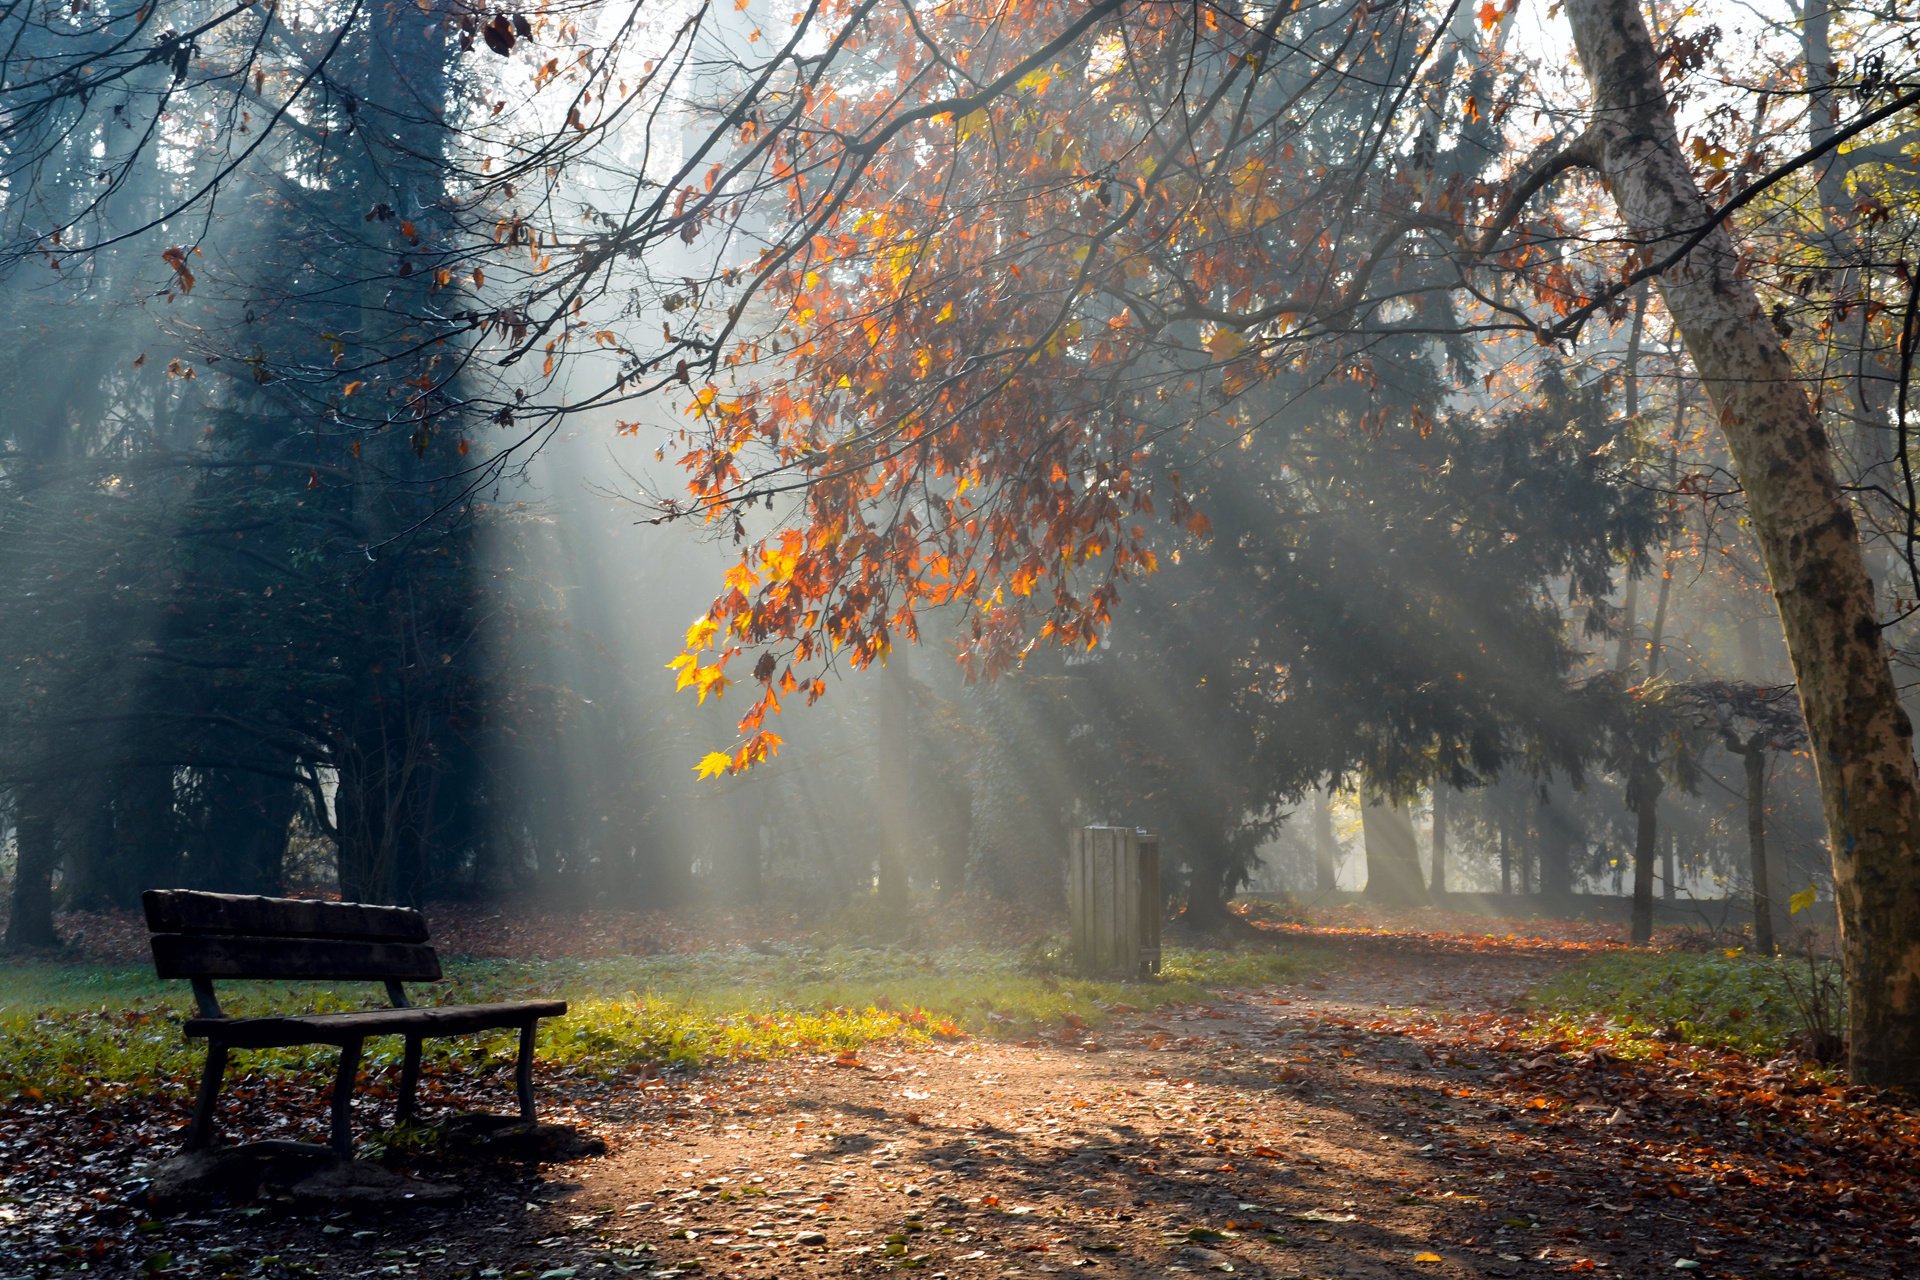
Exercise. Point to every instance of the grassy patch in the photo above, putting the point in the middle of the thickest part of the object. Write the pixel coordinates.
(73, 1033)
(1725, 1001)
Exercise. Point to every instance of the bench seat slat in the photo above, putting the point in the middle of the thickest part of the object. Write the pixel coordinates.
(194, 911)
(273, 1031)
(185, 955)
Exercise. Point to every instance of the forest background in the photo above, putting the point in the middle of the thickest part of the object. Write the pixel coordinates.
(1282, 413)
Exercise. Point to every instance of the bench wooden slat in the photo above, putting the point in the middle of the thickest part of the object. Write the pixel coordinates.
(273, 1031)
(186, 955)
(193, 911)
(203, 936)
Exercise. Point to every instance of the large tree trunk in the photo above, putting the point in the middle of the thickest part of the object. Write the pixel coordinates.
(1862, 740)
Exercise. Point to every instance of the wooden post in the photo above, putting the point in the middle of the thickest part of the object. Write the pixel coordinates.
(1113, 901)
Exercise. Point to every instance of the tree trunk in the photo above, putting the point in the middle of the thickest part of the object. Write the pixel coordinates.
(362, 819)
(1557, 833)
(36, 839)
(1754, 757)
(1644, 783)
(1643, 797)
(1393, 856)
(893, 833)
(92, 880)
(248, 821)
(146, 835)
(1437, 877)
(1506, 860)
(1862, 741)
(1326, 850)
(1209, 886)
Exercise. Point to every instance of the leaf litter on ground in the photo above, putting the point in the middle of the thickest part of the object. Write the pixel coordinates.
(1393, 1102)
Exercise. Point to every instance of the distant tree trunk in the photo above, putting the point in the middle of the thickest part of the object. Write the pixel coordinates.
(730, 846)
(1326, 868)
(1018, 819)
(1862, 740)
(1506, 857)
(662, 868)
(36, 839)
(1643, 797)
(364, 818)
(1209, 886)
(146, 834)
(91, 880)
(1753, 756)
(1553, 856)
(1644, 783)
(1438, 875)
(1393, 856)
(893, 832)
(249, 817)
(1670, 867)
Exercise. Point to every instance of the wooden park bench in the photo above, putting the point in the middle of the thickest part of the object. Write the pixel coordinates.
(204, 936)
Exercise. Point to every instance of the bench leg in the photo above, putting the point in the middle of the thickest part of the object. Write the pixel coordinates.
(200, 1131)
(523, 1073)
(409, 1078)
(341, 1138)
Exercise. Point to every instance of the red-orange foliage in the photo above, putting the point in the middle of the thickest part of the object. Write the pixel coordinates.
(1040, 250)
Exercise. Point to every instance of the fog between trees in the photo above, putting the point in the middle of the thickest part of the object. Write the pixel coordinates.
(1282, 415)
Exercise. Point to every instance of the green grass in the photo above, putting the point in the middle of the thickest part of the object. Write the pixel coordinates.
(1719, 1000)
(69, 1033)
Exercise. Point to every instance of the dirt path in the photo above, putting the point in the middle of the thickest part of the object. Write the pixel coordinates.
(1390, 1118)
(1381, 1120)
(1260, 1134)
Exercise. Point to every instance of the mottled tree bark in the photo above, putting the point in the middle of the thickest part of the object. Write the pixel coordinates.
(1861, 738)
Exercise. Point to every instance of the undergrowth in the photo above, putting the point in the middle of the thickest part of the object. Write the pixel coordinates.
(68, 1033)
(1728, 1000)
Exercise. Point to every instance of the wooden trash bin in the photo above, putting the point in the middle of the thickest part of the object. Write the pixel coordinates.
(1113, 901)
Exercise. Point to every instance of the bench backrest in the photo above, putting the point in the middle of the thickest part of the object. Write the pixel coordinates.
(202, 936)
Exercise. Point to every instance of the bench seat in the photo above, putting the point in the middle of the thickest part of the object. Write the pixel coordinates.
(203, 937)
(275, 1030)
